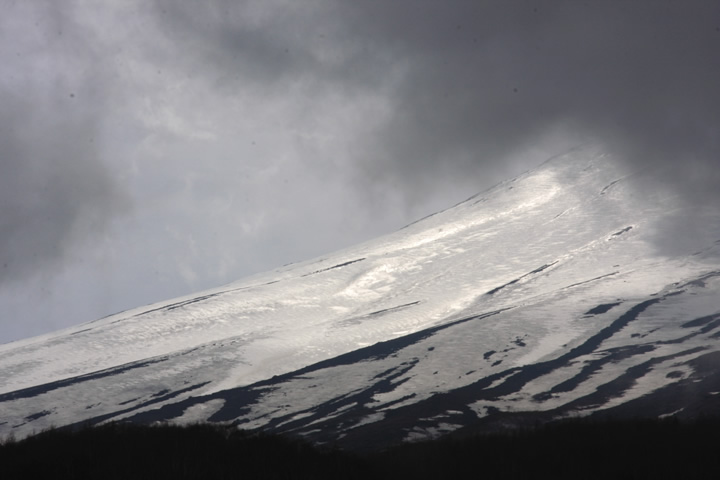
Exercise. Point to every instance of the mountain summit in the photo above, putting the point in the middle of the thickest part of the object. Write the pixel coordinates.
(559, 293)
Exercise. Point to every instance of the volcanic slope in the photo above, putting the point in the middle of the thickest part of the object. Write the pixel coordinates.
(554, 294)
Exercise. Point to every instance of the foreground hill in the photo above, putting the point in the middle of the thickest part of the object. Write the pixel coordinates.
(640, 449)
(553, 295)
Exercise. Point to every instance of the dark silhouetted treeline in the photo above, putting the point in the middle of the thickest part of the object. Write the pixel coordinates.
(126, 451)
(636, 449)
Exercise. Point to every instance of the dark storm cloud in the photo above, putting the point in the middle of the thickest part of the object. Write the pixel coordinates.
(484, 78)
(270, 47)
(471, 83)
(54, 190)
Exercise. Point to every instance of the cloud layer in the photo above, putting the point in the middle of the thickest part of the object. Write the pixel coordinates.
(471, 84)
(55, 190)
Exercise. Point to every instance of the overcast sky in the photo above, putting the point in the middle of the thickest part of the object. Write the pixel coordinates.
(149, 149)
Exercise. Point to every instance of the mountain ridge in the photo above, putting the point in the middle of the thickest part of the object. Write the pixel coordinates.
(543, 297)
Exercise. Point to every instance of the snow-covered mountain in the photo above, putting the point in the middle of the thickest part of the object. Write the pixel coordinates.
(551, 295)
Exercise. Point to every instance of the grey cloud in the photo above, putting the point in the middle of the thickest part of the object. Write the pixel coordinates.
(472, 83)
(486, 77)
(55, 191)
(223, 41)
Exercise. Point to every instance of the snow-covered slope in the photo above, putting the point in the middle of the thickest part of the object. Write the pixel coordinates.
(550, 295)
